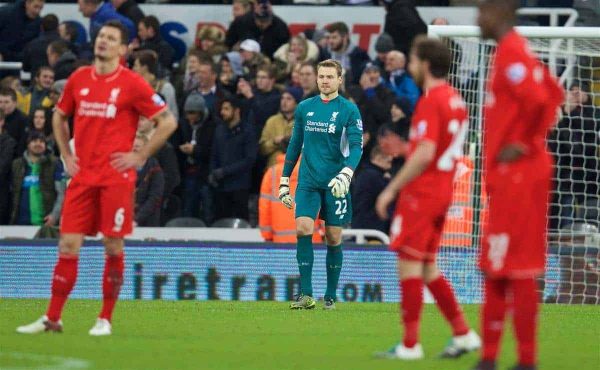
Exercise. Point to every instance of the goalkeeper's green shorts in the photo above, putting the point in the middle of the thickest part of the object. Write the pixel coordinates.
(320, 202)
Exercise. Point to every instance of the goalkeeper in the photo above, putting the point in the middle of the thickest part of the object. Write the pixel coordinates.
(328, 132)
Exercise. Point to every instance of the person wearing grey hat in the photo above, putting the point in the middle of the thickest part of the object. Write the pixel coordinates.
(383, 46)
(193, 143)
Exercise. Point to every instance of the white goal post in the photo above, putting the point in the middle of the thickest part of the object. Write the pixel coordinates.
(573, 55)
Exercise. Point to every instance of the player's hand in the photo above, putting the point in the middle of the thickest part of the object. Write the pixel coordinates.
(284, 192)
(340, 185)
(385, 198)
(124, 161)
(187, 148)
(49, 221)
(511, 152)
(71, 164)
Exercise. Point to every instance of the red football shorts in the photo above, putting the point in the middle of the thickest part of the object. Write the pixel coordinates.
(416, 228)
(514, 242)
(92, 209)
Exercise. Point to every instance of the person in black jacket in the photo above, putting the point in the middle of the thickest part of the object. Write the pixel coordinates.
(150, 38)
(367, 185)
(193, 141)
(261, 25)
(34, 54)
(61, 58)
(403, 23)
(7, 153)
(149, 188)
(15, 122)
(19, 24)
(130, 9)
(233, 154)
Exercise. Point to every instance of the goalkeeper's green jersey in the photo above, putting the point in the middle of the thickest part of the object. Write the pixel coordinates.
(329, 136)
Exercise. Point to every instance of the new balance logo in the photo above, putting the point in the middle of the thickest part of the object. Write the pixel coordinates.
(331, 129)
(310, 114)
(84, 91)
(333, 116)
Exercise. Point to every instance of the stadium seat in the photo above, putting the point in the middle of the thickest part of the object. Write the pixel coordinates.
(47, 232)
(171, 209)
(185, 222)
(232, 223)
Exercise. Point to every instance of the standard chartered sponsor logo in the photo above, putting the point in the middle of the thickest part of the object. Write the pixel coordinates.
(97, 109)
(315, 126)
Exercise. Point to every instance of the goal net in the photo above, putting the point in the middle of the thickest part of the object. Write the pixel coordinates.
(573, 55)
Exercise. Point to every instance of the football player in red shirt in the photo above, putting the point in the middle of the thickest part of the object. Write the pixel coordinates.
(437, 134)
(106, 101)
(521, 106)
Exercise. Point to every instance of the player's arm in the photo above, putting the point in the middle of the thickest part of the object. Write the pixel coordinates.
(418, 161)
(340, 184)
(62, 134)
(291, 158)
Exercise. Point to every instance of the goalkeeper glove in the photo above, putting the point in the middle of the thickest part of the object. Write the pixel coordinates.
(340, 185)
(284, 192)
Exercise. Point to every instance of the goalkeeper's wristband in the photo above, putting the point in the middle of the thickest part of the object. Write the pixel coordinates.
(347, 171)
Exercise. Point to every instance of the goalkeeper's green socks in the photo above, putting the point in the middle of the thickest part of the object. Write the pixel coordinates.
(333, 260)
(305, 257)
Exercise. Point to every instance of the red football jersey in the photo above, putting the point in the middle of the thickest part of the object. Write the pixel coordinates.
(106, 110)
(441, 117)
(521, 102)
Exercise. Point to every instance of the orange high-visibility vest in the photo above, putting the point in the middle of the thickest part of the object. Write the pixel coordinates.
(276, 222)
(458, 229)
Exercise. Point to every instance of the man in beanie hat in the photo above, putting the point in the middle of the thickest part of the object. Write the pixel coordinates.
(193, 142)
(383, 45)
(38, 185)
(279, 126)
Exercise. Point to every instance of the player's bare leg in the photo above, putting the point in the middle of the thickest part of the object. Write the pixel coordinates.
(411, 284)
(112, 281)
(305, 257)
(63, 281)
(333, 261)
(464, 339)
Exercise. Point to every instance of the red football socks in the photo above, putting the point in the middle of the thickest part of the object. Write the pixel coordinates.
(111, 284)
(492, 318)
(525, 314)
(63, 280)
(412, 304)
(446, 301)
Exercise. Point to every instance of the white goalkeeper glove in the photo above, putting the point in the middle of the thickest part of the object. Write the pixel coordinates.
(340, 185)
(284, 192)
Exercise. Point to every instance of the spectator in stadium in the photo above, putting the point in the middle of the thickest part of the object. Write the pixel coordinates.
(56, 91)
(129, 9)
(277, 224)
(392, 136)
(41, 121)
(575, 142)
(193, 141)
(19, 24)
(37, 96)
(34, 54)
(383, 45)
(61, 58)
(145, 63)
(298, 50)
(8, 147)
(308, 80)
(207, 85)
(38, 186)
(230, 70)
(241, 7)
(149, 38)
(100, 12)
(319, 37)
(368, 184)
(187, 81)
(456, 54)
(279, 126)
(374, 101)
(149, 188)
(15, 121)
(252, 59)
(68, 32)
(403, 23)
(211, 40)
(233, 154)
(167, 160)
(399, 81)
(260, 24)
(352, 58)
(262, 102)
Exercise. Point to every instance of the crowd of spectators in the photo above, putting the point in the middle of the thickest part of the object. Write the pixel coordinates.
(234, 94)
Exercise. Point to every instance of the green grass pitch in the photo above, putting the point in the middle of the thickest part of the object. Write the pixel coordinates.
(267, 335)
